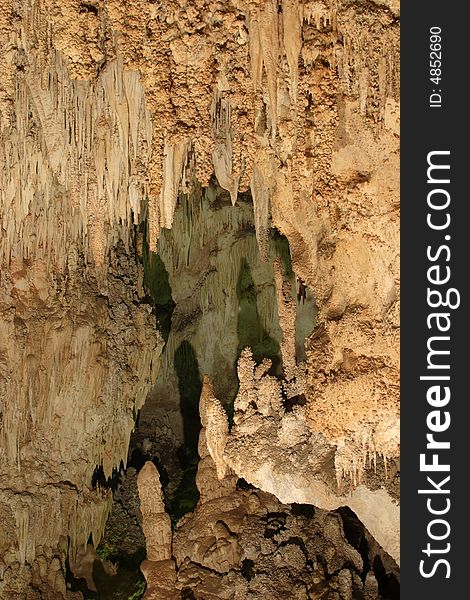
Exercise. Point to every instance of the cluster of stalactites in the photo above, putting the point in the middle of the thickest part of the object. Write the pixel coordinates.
(43, 520)
(78, 381)
(354, 457)
(74, 170)
(269, 41)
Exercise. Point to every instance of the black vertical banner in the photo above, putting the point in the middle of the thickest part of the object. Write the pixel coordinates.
(435, 259)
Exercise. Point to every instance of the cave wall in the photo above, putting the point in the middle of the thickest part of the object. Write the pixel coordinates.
(78, 349)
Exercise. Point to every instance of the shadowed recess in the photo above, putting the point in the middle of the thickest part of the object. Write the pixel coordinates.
(249, 327)
(190, 386)
(156, 281)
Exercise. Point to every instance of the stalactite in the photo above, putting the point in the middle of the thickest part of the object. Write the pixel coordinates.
(269, 44)
(175, 159)
(292, 17)
(261, 189)
(222, 153)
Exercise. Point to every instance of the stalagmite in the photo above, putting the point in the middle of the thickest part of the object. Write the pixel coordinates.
(215, 421)
(156, 522)
(214, 478)
(159, 567)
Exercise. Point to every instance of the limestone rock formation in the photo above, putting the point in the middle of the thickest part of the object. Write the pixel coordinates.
(277, 451)
(78, 350)
(77, 365)
(214, 421)
(247, 544)
(159, 568)
(156, 523)
(214, 479)
(109, 112)
(259, 448)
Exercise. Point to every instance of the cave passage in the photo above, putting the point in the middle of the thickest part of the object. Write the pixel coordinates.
(189, 387)
(212, 295)
(156, 281)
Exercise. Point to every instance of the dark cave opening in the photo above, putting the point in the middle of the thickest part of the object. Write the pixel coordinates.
(357, 536)
(243, 485)
(128, 583)
(114, 574)
(190, 386)
(156, 281)
(389, 585)
(115, 569)
(306, 312)
(282, 249)
(247, 569)
(88, 7)
(290, 403)
(303, 510)
(78, 584)
(98, 479)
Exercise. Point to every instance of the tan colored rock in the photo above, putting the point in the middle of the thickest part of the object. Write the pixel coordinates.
(156, 523)
(207, 480)
(84, 563)
(107, 111)
(287, 312)
(259, 450)
(159, 567)
(79, 353)
(161, 580)
(215, 421)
